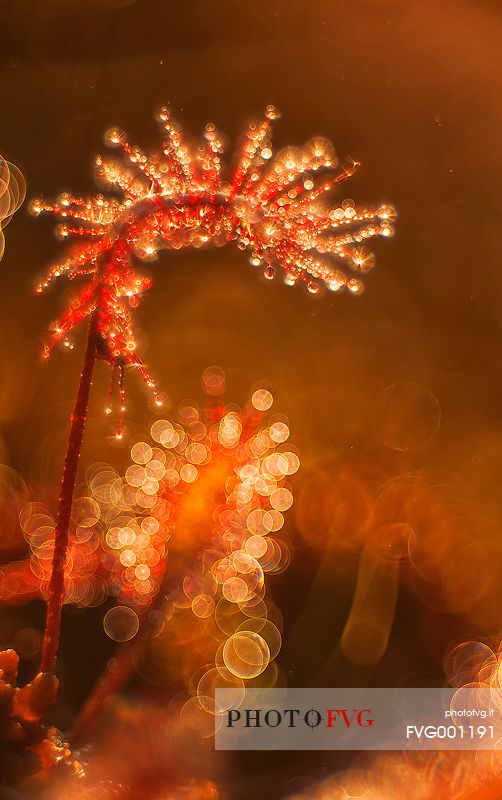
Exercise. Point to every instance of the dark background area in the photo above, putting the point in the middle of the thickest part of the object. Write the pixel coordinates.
(412, 90)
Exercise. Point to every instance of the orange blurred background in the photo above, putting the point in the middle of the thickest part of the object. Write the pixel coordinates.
(394, 398)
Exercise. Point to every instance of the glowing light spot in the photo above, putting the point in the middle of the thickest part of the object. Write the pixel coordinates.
(196, 453)
(259, 521)
(279, 432)
(141, 453)
(293, 462)
(188, 473)
(235, 590)
(262, 399)
(128, 558)
(203, 606)
(213, 381)
(229, 431)
(121, 623)
(246, 654)
(142, 572)
(256, 546)
(126, 536)
(150, 525)
(150, 486)
(281, 499)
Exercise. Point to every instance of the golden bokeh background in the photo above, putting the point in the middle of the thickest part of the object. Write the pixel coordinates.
(394, 397)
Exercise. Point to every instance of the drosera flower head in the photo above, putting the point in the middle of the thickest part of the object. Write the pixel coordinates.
(182, 195)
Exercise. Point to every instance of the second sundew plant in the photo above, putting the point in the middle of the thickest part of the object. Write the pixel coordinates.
(180, 196)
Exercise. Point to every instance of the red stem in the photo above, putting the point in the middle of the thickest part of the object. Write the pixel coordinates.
(56, 586)
(113, 679)
(125, 662)
(127, 656)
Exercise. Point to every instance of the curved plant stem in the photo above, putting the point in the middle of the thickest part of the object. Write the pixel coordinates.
(118, 670)
(50, 643)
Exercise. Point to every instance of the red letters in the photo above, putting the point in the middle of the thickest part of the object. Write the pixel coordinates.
(359, 717)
